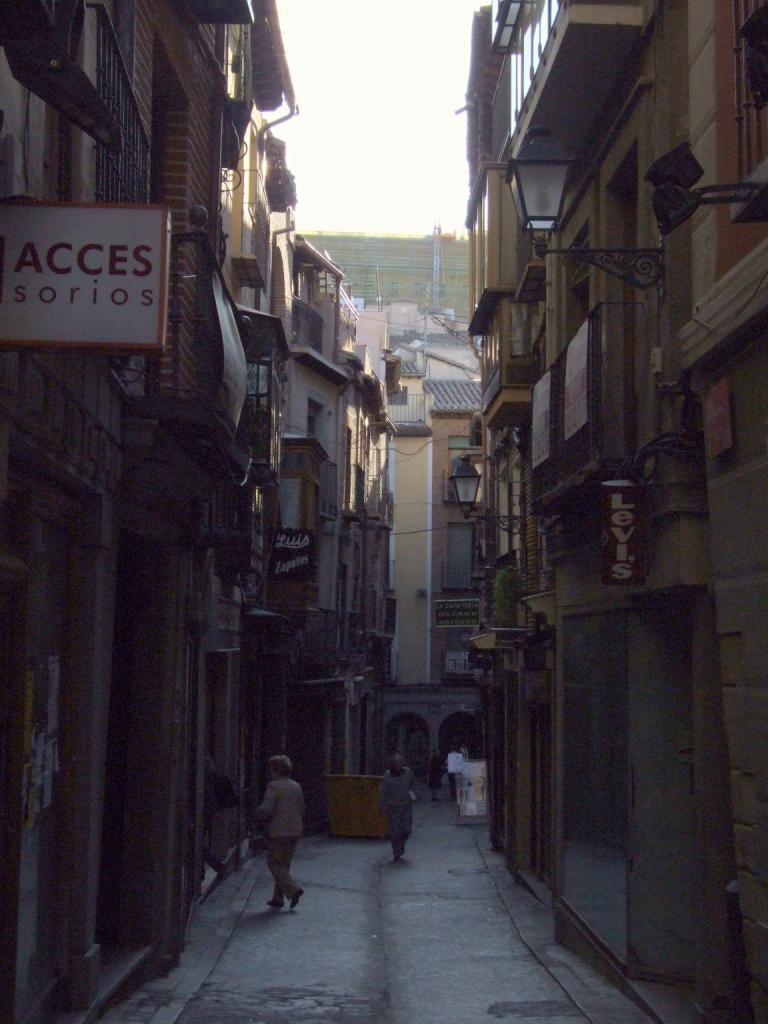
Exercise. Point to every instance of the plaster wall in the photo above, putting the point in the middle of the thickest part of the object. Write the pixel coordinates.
(411, 543)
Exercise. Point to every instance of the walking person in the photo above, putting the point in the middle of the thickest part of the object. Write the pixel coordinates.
(396, 799)
(454, 762)
(283, 811)
(436, 769)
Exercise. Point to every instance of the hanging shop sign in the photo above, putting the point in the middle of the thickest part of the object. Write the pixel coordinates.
(624, 534)
(540, 421)
(575, 397)
(457, 612)
(88, 276)
(293, 555)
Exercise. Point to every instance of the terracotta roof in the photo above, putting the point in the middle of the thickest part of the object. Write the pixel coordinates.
(454, 395)
(410, 369)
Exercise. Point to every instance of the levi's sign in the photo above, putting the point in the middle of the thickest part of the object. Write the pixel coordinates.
(86, 276)
(624, 541)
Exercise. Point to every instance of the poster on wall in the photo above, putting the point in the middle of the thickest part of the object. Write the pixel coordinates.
(575, 412)
(540, 421)
(472, 791)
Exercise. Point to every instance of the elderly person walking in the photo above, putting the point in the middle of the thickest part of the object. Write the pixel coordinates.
(396, 799)
(283, 810)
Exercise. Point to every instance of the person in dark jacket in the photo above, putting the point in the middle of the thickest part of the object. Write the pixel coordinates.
(283, 810)
(436, 770)
(396, 798)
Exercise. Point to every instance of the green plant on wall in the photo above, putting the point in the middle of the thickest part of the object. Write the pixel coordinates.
(506, 594)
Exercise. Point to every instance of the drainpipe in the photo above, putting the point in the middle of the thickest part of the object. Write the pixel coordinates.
(279, 120)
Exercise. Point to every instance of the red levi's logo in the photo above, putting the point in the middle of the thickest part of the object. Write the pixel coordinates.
(623, 534)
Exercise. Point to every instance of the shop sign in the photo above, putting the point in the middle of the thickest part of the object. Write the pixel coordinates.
(293, 554)
(575, 397)
(457, 612)
(89, 276)
(457, 662)
(623, 534)
(540, 421)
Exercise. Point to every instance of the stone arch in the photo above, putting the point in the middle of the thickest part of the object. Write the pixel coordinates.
(461, 729)
(408, 734)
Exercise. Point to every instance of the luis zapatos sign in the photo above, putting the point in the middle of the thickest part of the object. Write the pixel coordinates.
(89, 276)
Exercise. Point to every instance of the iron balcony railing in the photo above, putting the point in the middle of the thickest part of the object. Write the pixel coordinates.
(320, 640)
(411, 409)
(57, 421)
(259, 216)
(122, 175)
(598, 446)
(307, 326)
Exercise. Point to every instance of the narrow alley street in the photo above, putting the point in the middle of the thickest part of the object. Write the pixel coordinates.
(443, 937)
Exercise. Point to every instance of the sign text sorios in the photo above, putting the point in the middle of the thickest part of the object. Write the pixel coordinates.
(624, 540)
(85, 276)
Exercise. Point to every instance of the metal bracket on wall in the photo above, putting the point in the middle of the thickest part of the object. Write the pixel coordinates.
(642, 268)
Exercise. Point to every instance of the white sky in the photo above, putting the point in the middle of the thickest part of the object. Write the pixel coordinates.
(377, 146)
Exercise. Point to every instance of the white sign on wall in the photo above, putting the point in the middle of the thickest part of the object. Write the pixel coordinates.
(91, 276)
(575, 397)
(540, 425)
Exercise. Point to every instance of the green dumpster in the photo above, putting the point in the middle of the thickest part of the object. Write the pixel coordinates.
(353, 806)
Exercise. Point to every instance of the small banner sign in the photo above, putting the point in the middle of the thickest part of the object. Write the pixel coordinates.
(293, 555)
(624, 534)
(457, 612)
(540, 421)
(575, 412)
(79, 275)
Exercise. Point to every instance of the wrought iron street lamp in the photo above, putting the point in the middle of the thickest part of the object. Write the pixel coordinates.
(538, 177)
(465, 481)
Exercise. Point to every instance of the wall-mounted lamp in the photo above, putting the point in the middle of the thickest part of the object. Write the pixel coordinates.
(675, 199)
(538, 176)
(465, 481)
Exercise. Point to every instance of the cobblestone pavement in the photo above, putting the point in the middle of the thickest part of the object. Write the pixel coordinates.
(431, 939)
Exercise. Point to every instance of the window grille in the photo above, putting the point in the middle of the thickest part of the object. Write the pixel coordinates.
(122, 176)
(751, 128)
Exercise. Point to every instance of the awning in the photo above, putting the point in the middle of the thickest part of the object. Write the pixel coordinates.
(262, 331)
(499, 639)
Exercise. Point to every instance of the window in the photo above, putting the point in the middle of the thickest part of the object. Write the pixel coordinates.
(314, 418)
(458, 566)
(458, 443)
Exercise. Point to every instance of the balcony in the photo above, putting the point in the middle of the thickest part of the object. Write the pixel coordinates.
(58, 429)
(266, 350)
(582, 438)
(407, 410)
(379, 502)
(307, 326)
(567, 58)
(508, 383)
(199, 387)
(318, 651)
(251, 266)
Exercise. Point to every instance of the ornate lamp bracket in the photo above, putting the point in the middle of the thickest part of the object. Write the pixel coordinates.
(642, 268)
